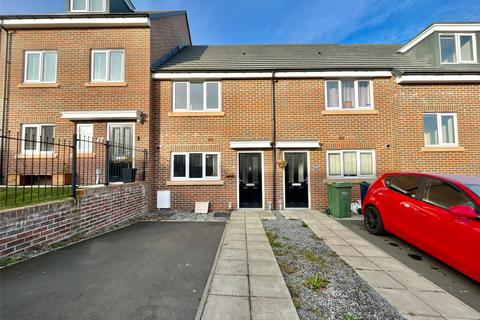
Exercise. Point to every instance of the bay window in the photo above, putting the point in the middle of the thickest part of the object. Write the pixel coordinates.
(440, 129)
(196, 96)
(349, 94)
(38, 138)
(351, 164)
(195, 165)
(40, 67)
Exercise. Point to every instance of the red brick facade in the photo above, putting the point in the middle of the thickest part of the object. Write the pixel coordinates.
(394, 130)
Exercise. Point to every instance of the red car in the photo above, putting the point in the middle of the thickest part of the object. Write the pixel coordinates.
(438, 213)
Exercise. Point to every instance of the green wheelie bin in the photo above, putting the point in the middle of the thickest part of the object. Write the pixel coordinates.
(339, 199)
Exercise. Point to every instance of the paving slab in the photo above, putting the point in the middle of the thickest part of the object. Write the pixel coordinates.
(261, 255)
(447, 305)
(263, 268)
(233, 254)
(379, 279)
(235, 244)
(267, 286)
(232, 267)
(413, 281)
(226, 308)
(229, 285)
(407, 303)
(273, 309)
(360, 263)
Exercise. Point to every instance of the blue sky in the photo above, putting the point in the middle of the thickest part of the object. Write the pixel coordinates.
(298, 21)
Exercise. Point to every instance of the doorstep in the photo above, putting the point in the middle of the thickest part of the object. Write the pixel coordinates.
(246, 280)
(414, 296)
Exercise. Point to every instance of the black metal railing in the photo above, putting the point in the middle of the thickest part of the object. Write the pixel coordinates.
(35, 169)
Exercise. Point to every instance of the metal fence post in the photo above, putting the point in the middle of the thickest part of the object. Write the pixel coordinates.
(144, 175)
(107, 162)
(74, 164)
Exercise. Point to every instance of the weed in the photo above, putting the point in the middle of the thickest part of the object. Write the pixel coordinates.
(316, 282)
(350, 317)
(273, 239)
(297, 300)
(314, 258)
(286, 238)
(315, 237)
(58, 245)
(287, 268)
(304, 225)
(8, 260)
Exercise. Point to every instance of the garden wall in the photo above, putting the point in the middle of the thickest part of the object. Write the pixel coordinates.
(93, 210)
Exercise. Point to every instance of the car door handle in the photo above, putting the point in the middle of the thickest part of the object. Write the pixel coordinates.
(405, 204)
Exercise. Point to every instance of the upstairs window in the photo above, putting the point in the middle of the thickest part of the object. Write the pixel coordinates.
(88, 5)
(440, 129)
(196, 96)
(40, 66)
(351, 164)
(196, 166)
(349, 94)
(458, 48)
(108, 65)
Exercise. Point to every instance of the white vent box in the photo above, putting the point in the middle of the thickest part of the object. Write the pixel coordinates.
(164, 199)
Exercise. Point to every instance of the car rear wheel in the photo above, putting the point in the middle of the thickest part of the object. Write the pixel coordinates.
(373, 221)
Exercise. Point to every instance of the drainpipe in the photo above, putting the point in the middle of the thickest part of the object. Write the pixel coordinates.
(5, 94)
(273, 144)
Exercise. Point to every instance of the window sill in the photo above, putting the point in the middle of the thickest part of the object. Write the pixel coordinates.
(106, 84)
(443, 149)
(349, 180)
(38, 85)
(197, 114)
(196, 183)
(37, 155)
(348, 112)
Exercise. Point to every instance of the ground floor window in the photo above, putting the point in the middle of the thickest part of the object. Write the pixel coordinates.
(195, 165)
(85, 137)
(351, 163)
(38, 137)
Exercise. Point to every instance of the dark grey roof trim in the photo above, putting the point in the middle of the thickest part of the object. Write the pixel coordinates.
(151, 14)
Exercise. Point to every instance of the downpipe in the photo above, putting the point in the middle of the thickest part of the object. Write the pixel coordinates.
(5, 98)
(273, 143)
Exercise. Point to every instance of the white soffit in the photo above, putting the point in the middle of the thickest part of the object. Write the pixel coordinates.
(75, 22)
(307, 144)
(268, 75)
(439, 27)
(102, 115)
(438, 79)
(250, 145)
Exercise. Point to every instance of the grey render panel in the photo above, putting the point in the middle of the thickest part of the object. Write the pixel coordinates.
(429, 50)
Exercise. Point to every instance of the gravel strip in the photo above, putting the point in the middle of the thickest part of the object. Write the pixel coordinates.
(337, 292)
(187, 216)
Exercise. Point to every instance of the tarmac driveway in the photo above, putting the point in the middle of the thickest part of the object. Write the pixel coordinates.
(450, 280)
(150, 270)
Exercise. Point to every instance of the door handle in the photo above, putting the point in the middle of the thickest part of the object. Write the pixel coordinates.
(250, 184)
(296, 184)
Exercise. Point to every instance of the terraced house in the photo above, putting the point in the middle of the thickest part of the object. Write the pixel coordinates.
(246, 126)
(84, 71)
(268, 126)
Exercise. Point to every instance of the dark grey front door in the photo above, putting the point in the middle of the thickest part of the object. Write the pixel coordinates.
(296, 180)
(250, 180)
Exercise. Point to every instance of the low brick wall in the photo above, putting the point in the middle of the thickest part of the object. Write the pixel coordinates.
(94, 210)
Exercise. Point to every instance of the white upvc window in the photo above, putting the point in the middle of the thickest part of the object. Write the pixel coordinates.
(351, 164)
(38, 138)
(197, 96)
(440, 129)
(85, 137)
(458, 48)
(40, 67)
(108, 65)
(195, 166)
(88, 5)
(348, 94)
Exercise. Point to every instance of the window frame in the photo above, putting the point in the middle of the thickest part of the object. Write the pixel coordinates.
(37, 138)
(107, 65)
(87, 6)
(458, 52)
(439, 129)
(356, 96)
(189, 106)
(342, 169)
(187, 166)
(40, 66)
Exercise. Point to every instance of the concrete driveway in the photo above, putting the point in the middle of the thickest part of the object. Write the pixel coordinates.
(150, 270)
(450, 280)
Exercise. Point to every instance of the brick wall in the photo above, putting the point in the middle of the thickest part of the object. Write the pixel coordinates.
(95, 210)
(394, 130)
